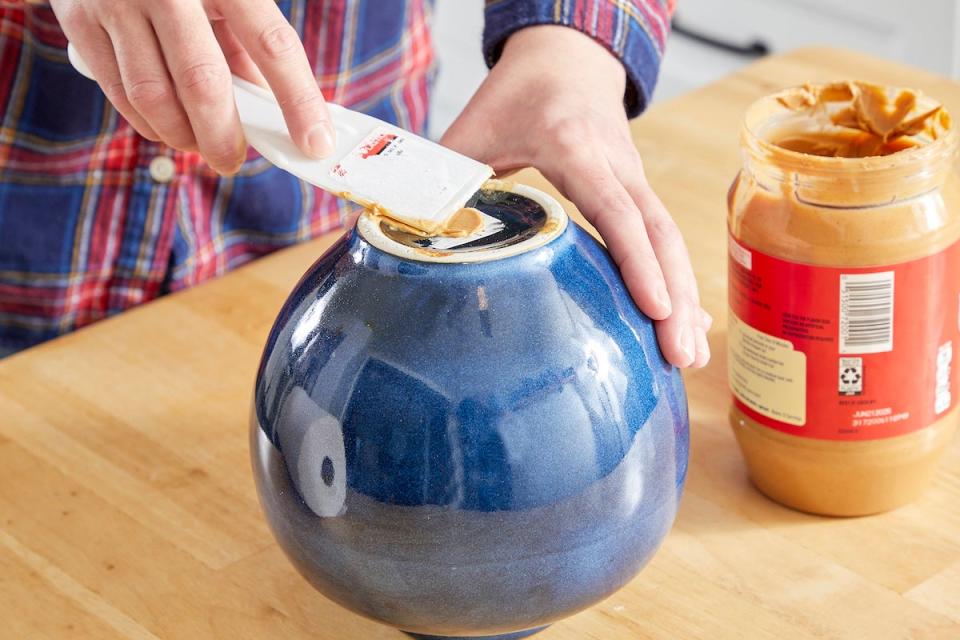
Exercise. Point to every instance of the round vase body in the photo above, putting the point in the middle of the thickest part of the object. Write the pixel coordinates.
(468, 448)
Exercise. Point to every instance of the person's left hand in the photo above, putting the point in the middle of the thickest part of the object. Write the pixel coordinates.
(554, 101)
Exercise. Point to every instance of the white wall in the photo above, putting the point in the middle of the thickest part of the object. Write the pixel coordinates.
(457, 31)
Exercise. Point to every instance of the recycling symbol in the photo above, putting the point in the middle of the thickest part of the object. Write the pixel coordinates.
(850, 376)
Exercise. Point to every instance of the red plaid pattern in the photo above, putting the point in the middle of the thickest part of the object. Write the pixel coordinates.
(88, 230)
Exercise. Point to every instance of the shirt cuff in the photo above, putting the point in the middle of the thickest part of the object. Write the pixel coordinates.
(634, 31)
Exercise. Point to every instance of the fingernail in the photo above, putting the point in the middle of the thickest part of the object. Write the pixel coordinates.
(686, 346)
(703, 355)
(707, 318)
(320, 140)
(241, 156)
(663, 300)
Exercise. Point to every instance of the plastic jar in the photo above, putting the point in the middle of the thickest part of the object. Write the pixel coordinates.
(844, 293)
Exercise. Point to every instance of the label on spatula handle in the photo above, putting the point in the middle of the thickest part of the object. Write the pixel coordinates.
(421, 180)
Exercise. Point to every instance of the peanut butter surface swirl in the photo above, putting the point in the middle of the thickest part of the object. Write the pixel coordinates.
(867, 119)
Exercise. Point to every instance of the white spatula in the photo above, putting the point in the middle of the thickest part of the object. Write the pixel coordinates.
(408, 178)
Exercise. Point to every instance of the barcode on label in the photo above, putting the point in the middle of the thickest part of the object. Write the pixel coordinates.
(866, 312)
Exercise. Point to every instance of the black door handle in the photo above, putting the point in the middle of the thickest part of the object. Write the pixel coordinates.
(754, 49)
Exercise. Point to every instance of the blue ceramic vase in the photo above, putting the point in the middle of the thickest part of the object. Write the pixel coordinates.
(468, 437)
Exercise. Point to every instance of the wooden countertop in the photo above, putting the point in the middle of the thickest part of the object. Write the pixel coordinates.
(127, 507)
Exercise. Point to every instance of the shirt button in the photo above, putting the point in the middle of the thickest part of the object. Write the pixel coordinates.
(162, 169)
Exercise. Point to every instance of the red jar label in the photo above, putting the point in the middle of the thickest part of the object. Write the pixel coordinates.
(843, 354)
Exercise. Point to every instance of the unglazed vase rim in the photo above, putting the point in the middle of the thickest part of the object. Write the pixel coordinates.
(369, 228)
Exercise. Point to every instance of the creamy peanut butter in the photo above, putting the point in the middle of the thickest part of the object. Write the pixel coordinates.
(463, 222)
(505, 219)
(856, 119)
(850, 177)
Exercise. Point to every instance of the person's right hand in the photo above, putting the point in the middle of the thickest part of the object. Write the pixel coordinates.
(165, 65)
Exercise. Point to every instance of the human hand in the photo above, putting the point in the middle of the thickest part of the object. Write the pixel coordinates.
(554, 101)
(165, 65)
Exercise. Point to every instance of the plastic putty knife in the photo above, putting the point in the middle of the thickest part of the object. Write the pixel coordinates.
(408, 178)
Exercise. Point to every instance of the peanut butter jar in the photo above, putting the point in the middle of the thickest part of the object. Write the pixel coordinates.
(844, 292)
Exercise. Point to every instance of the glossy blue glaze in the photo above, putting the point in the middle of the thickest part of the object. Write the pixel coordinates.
(467, 449)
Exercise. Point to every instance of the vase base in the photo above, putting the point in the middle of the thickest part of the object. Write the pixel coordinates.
(516, 635)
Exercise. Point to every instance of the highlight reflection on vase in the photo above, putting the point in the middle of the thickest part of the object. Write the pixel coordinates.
(468, 448)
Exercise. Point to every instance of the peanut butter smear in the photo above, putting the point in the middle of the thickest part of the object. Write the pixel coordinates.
(464, 222)
(854, 119)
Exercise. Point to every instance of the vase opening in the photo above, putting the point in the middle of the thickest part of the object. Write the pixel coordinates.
(512, 219)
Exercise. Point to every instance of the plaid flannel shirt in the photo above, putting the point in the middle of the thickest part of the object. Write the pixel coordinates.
(95, 219)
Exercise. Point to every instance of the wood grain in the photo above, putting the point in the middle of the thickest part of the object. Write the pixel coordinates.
(127, 508)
